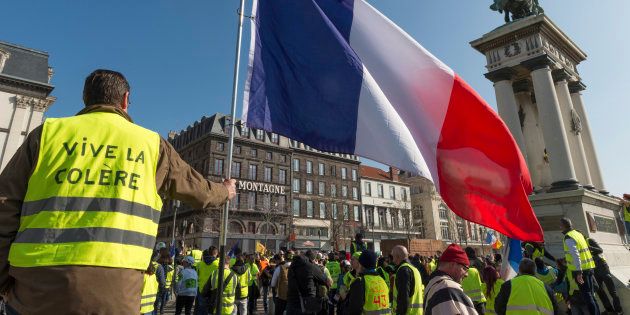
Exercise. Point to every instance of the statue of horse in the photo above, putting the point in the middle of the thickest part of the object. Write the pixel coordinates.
(518, 8)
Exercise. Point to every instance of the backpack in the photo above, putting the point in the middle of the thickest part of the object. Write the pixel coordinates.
(283, 282)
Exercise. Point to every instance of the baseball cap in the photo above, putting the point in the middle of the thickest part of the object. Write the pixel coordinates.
(190, 260)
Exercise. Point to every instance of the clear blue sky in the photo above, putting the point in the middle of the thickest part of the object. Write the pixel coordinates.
(178, 55)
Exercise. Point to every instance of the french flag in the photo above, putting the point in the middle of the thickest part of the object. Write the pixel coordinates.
(341, 77)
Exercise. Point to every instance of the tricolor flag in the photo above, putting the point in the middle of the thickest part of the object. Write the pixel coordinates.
(512, 256)
(339, 76)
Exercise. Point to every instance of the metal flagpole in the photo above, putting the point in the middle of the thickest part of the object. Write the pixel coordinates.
(228, 175)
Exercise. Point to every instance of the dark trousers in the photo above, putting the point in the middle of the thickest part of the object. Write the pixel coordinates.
(184, 302)
(251, 301)
(586, 291)
(603, 277)
(331, 301)
(480, 308)
(160, 301)
(280, 306)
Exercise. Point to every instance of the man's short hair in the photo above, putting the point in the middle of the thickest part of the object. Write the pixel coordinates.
(566, 222)
(105, 87)
(527, 267)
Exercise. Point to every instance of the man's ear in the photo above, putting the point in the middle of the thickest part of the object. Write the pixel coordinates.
(125, 102)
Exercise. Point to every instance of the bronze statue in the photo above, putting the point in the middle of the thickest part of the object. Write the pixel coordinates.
(518, 8)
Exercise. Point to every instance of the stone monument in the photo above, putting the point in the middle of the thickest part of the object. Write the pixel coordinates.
(534, 68)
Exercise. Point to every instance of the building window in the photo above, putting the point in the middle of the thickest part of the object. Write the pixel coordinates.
(269, 156)
(296, 207)
(382, 220)
(251, 200)
(254, 152)
(309, 187)
(235, 203)
(334, 211)
(296, 185)
(322, 187)
(220, 146)
(274, 138)
(236, 169)
(333, 190)
(356, 213)
(346, 212)
(296, 165)
(403, 194)
(354, 175)
(251, 227)
(309, 208)
(283, 158)
(218, 167)
(282, 202)
(392, 192)
(368, 189)
(245, 131)
(333, 170)
(266, 202)
(395, 221)
(309, 167)
(322, 169)
(381, 192)
(369, 216)
(268, 174)
(445, 231)
(355, 193)
(237, 149)
(253, 169)
(344, 173)
(260, 135)
(282, 176)
(442, 211)
(344, 191)
(322, 210)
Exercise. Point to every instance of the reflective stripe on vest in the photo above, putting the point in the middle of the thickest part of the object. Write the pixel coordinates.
(415, 302)
(548, 278)
(92, 198)
(244, 281)
(149, 293)
(376, 295)
(472, 286)
(586, 258)
(169, 277)
(229, 292)
(528, 296)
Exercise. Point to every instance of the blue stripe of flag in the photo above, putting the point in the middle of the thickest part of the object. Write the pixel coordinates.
(306, 80)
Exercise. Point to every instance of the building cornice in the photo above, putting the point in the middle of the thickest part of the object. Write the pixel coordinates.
(25, 87)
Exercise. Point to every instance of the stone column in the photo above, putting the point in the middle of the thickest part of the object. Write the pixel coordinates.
(550, 119)
(534, 142)
(506, 103)
(575, 89)
(14, 138)
(578, 156)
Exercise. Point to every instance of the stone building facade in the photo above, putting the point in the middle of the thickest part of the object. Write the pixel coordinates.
(24, 95)
(386, 207)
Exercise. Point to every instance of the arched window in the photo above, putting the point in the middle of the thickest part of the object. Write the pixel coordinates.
(235, 228)
(267, 228)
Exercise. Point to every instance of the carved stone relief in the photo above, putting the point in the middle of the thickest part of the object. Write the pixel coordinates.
(4, 56)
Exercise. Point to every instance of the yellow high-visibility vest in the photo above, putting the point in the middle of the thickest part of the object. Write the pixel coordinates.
(204, 271)
(586, 259)
(92, 198)
(528, 296)
(169, 276)
(415, 302)
(335, 269)
(149, 293)
(472, 286)
(376, 296)
(229, 290)
(490, 299)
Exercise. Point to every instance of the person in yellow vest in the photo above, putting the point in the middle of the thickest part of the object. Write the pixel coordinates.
(186, 288)
(350, 276)
(197, 254)
(164, 274)
(242, 290)
(358, 245)
(579, 262)
(472, 282)
(533, 250)
(208, 264)
(230, 283)
(369, 294)
(408, 289)
(604, 279)
(149, 290)
(334, 268)
(525, 294)
(254, 289)
(432, 265)
(491, 285)
(105, 177)
(444, 294)
(382, 264)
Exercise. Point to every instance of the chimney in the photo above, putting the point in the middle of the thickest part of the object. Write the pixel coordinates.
(393, 173)
(171, 135)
